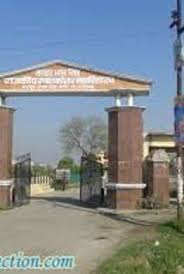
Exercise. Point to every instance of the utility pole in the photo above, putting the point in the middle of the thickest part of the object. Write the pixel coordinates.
(177, 22)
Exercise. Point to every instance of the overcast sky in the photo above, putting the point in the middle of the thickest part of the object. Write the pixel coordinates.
(125, 36)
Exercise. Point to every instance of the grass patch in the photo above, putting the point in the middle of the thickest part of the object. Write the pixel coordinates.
(163, 255)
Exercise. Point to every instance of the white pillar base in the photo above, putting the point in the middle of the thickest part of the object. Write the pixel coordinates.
(8, 182)
(115, 186)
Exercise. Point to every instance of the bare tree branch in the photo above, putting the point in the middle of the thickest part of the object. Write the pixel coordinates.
(88, 135)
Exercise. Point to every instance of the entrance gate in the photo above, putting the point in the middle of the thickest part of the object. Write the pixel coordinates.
(125, 124)
(91, 181)
(21, 191)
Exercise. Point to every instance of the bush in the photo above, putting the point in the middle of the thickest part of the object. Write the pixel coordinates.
(161, 255)
(151, 202)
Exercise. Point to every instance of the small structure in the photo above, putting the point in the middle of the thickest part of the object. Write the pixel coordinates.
(102, 158)
(62, 178)
(158, 176)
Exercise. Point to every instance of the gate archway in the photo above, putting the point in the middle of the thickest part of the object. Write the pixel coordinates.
(125, 123)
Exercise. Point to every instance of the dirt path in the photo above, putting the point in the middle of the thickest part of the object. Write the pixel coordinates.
(56, 224)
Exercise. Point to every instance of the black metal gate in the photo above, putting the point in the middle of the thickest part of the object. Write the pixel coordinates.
(21, 192)
(91, 173)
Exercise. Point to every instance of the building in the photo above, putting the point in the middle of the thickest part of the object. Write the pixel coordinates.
(152, 141)
(158, 140)
(102, 158)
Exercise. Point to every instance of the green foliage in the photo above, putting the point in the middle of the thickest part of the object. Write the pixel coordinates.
(41, 170)
(68, 163)
(175, 225)
(163, 255)
(151, 202)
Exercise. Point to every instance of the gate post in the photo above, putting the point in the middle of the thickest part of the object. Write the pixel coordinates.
(6, 136)
(158, 177)
(125, 154)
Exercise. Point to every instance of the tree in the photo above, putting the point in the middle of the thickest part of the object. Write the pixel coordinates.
(86, 135)
(68, 163)
(41, 170)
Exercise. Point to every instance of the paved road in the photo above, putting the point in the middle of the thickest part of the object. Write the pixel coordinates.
(58, 224)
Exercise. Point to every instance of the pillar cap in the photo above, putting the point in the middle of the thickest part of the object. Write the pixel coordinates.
(159, 155)
(123, 108)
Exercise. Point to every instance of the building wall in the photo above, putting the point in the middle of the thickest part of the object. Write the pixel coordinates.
(151, 141)
(158, 141)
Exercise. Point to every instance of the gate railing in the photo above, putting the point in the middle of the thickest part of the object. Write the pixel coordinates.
(22, 174)
(91, 173)
(41, 179)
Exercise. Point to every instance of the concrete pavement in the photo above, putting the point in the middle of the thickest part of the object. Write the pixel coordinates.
(57, 224)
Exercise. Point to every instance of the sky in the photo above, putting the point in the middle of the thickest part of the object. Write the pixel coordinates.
(126, 36)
